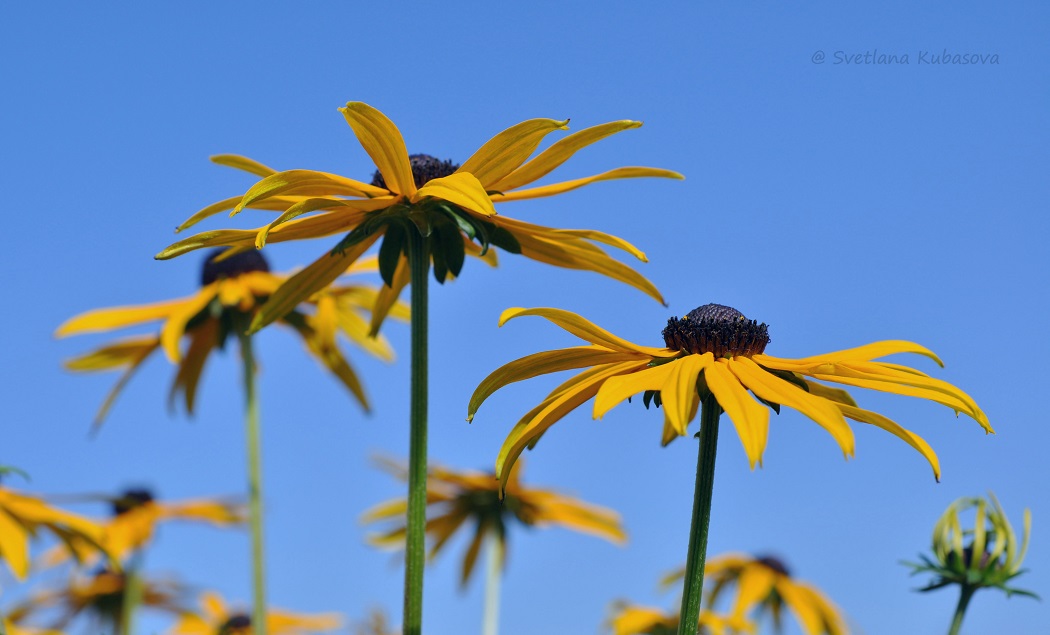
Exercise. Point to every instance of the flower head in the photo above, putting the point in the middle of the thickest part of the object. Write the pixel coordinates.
(631, 619)
(987, 554)
(216, 618)
(452, 206)
(232, 289)
(455, 497)
(23, 515)
(764, 585)
(715, 351)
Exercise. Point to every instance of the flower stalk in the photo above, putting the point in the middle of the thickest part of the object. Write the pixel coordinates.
(415, 556)
(255, 510)
(960, 609)
(705, 480)
(132, 593)
(490, 610)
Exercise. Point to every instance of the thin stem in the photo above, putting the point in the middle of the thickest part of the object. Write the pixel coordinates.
(490, 611)
(960, 609)
(255, 507)
(132, 593)
(419, 266)
(689, 618)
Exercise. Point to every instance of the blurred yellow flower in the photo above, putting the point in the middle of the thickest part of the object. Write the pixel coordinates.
(631, 619)
(451, 205)
(455, 497)
(21, 517)
(232, 289)
(135, 517)
(715, 351)
(765, 586)
(216, 618)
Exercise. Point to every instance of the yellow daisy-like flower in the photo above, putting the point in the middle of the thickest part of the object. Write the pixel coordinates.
(631, 619)
(764, 585)
(448, 204)
(232, 289)
(23, 515)
(100, 597)
(455, 497)
(216, 618)
(715, 351)
(135, 517)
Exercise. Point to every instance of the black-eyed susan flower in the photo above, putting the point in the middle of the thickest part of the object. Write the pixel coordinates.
(714, 361)
(984, 555)
(469, 500)
(764, 586)
(136, 514)
(215, 617)
(452, 205)
(99, 599)
(192, 328)
(633, 619)
(22, 516)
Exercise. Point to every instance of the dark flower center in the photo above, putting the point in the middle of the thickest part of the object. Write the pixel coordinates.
(131, 499)
(237, 624)
(775, 564)
(424, 168)
(720, 330)
(231, 267)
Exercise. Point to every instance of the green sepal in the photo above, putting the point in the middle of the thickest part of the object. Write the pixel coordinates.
(448, 243)
(6, 470)
(390, 251)
(421, 219)
(503, 239)
(787, 376)
(774, 406)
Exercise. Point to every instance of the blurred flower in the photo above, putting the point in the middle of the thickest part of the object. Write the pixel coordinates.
(715, 350)
(21, 517)
(451, 205)
(376, 624)
(455, 497)
(986, 555)
(215, 618)
(764, 585)
(135, 516)
(630, 619)
(232, 289)
(99, 597)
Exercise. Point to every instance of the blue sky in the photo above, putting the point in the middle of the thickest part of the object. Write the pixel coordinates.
(839, 203)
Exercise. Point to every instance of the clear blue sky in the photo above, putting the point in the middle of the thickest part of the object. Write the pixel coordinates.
(840, 203)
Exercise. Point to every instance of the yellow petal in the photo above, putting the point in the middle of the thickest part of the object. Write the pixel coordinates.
(750, 419)
(912, 439)
(506, 151)
(14, 545)
(617, 389)
(175, 326)
(115, 355)
(353, 209)
(387, 299)
(204, 339)
(559, 153)
(120, 317)
(873, 351)
(306, 183)
(383, 142)
(243, 163)
(548, 233)
(579, 516)
(585, 330)
(753, 586)
(678, 394)
(801, 604)
(568, 186)
(837, 395)
(471, 556)
(332, 358)
(462, 189)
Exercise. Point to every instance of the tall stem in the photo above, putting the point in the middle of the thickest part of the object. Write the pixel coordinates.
(960, 609)
(132, 593)
(419, 266)
(689, 618)
(255, 508)
(490, 611)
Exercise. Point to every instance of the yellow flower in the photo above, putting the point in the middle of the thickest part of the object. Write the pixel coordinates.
(631, 619)
(135, 517)
(456, 497)
(232, 289)
(99, 596)
(215, 618)
(450, 205)
(715, 350)
(22, 515)
(764, 585)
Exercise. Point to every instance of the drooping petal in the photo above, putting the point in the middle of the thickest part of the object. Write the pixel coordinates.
(516, 227)
(837, 395)
(273, 203)
(462, 189)
(678, 394)
(772, 388)
(306, 183)
(872, 351)
(912, 439)
(506, 151)
(240, 162)
(115, 355)
(332, 358)
(383, 142)
(555, 509)
(625, 385)
(175, 326)
(585, 330)
(356, 329)
(120, 317)
(750, 418)
(388, 296)
(541, 364)
(354, 209)
(204, 339)
(133, 365)
(568, 186)
(317, 226)
(753, 586)
(14, 545)
(559, 153)
(802, 606)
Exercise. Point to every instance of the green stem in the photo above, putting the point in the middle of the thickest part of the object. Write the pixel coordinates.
(960, 609)
(419, 266)
(689, 618)
(490, 611)
(255, 507)
(132, 593)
